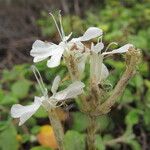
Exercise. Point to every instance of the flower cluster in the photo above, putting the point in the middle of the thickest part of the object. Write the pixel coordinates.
(67, 47)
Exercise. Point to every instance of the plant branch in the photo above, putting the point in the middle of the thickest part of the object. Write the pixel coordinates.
(75, 76)
(115, 141)
(72, 67)
(57, 127)
(121, 139)
(132, 60)
(91, 130)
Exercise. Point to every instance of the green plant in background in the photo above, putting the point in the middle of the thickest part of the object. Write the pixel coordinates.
(126, 23)
(97, 100)
(70, 23)
(130, 21)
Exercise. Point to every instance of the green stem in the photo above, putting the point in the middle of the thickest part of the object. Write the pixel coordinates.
(57, 127)
(115, 141)
(121, 139)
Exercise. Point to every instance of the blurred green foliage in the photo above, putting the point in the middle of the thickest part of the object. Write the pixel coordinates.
(122, 22)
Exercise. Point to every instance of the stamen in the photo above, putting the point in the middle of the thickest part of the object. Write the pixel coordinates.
(92, 45)
(61, 36)
(99, 38)
(112, 43)
(54, 103)
(39, 80)
(61, 26)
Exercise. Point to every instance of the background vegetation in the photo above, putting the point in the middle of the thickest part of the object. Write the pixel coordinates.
(123, 21)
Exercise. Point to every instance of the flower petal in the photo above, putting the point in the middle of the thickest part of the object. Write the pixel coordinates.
(39, 58)
(90, 33)
(55, 84)
(55, 59)
(25, 112)
(71, 91)
(104, 72)
(95, 66)
(81, 60)
(122, 49)
(97, 48)
(98, 71)
(42, 50)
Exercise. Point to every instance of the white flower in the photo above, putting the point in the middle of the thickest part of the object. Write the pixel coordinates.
(99, 71)
(81, 61)
(43, 50)
(25, 112)
(91, 32)
(57, 99)
(120, 50)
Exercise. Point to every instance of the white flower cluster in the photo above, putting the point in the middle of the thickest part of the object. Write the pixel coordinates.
(54, 52)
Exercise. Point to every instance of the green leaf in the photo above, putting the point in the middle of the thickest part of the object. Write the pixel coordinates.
(8, 138)
(134, 145)
(119, 65)
(1, 94)
(99, 143)
(80, 121)
(16, 72)
(41, 113)
(26, 138)
(137, 81)
(4, 125)
(40, 148)
(103, 122)
(35, 129)
(107, 137)
(74, 141)
(146, 117)
(147, 98)
(143, 68)
(132, 117)
(138, 41)
(20, 88)
(9, 98)
(147, 83)
(31, 121)
(9, 75)
(127, 97)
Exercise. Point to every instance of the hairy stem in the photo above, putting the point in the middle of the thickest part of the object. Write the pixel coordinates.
(74, 74)
(91, 131)
(57, 127)
(72, 67)
(132, 59)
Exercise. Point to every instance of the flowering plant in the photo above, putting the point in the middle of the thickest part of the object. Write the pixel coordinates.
(95, 100)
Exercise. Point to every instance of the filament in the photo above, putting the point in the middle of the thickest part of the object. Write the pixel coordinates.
(112, 43)
(61, 26)
(99, 38)
(39, 80)
(57, 26)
